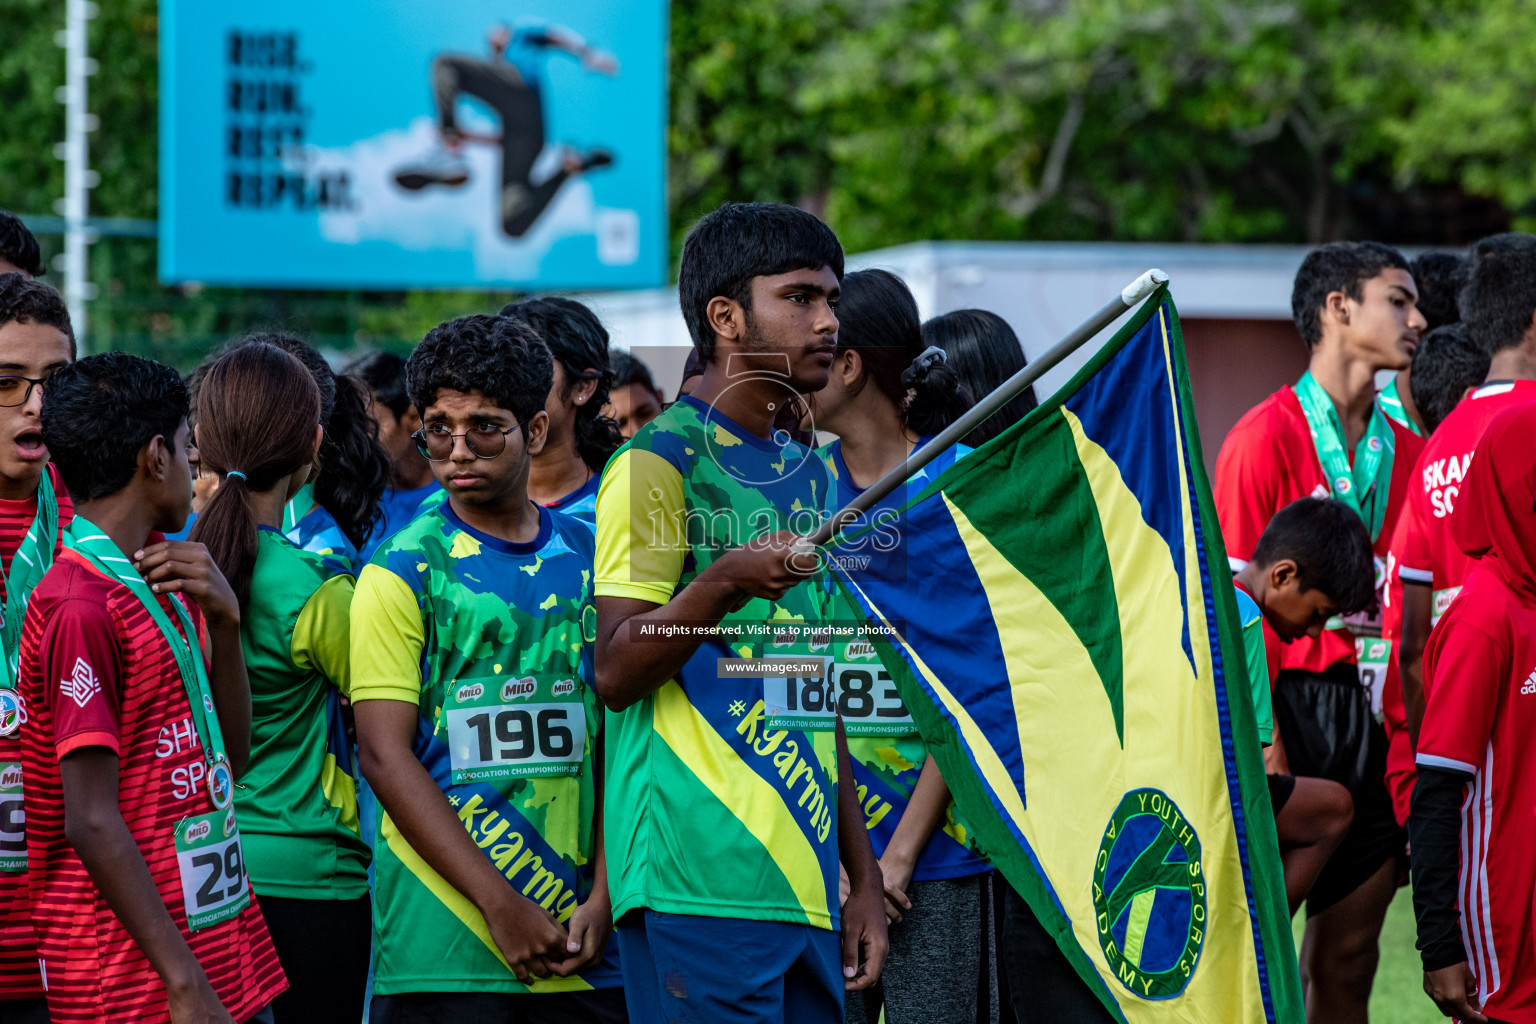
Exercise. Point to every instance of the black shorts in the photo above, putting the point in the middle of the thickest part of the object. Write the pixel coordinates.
(1329, 733)
(1280, 789)
(598, 1006)
(1044, 986)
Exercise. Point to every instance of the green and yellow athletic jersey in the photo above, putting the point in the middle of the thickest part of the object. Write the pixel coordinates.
(1256, 655)
(717, 805)
(298, 797)
(492, 641)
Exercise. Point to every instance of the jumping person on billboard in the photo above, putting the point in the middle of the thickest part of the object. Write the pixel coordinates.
(509, 82)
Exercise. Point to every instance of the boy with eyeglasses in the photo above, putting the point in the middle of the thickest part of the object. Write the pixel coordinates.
(476, 719)
(35, 339)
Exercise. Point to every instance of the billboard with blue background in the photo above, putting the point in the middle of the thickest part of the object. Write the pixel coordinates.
(393, 144)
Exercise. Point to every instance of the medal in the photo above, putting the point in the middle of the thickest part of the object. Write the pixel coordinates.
(1363, 486)
(12, 714)
(221, 783)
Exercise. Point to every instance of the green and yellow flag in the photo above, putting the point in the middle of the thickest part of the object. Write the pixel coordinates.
(1087, 699)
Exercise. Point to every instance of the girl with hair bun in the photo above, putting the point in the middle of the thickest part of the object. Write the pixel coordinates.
(259, 431)
(984, 351)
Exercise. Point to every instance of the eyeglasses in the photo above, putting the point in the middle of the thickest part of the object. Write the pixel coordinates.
(485, 441)
(13, 393)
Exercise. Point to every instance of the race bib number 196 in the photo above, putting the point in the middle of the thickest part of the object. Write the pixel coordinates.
(504, 741)
(213, 880)
(13, 820)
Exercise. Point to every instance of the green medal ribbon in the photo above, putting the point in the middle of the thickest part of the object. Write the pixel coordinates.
(86, 539)
(1364, 486)
(31, 560)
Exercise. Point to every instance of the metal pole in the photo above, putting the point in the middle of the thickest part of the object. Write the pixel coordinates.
(79, 179)
(854, 511)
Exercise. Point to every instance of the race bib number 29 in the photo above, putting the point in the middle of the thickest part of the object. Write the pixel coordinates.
(213, 879)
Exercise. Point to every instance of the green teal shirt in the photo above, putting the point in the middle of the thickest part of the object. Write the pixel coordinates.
(716, 806)
(492, 642)
(298, 798)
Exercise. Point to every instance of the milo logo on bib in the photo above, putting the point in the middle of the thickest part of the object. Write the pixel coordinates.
(524, 687)
(859, 650)
(199, 829)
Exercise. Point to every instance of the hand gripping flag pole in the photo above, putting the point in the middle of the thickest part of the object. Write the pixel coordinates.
(854, 511)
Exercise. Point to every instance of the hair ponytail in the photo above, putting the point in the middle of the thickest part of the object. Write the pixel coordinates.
(257, 409)
(878, 318)
(938, 395)
(579, 342)
(983, 352)
(354, 467)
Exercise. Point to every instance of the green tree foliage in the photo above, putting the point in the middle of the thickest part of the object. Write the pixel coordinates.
(901, 120)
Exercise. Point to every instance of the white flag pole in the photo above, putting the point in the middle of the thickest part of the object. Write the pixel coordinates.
(853, 513)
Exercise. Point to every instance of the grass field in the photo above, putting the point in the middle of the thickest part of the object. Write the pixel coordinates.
(1398, 997)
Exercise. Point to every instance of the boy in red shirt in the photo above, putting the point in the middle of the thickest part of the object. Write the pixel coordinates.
(1477, 782)
(141, 905)
(35, 340)
(1447, 369)
(1354, 305)
(1499, 307)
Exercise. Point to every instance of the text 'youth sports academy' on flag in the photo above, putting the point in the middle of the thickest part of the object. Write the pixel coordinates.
(1088, 700)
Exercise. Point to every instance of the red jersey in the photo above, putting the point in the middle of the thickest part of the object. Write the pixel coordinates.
(96, 672)
(1481, 660)
(1427, 554)
(18, 948)
(1424, 554)
(1267, 461)
(1394, 713)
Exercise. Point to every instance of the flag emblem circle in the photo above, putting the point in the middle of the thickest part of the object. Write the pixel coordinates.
(1149, 895)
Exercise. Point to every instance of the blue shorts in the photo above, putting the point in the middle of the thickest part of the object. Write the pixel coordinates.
(704, 970)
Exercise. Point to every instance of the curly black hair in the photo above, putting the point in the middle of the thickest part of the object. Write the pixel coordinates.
(18, 246)
(354, 467)
(1445, 365)
(100, 412)
(1336, 267)
(1440, 276)
(501, 357)
(1499, 298)
(577, 338)
(25, 301)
